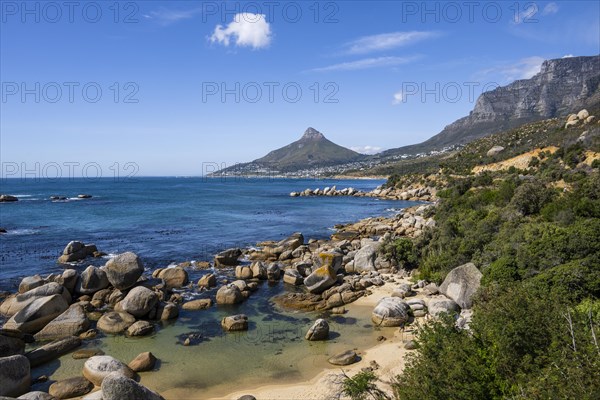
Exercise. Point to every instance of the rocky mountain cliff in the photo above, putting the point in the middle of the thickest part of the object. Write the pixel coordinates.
(562, 85)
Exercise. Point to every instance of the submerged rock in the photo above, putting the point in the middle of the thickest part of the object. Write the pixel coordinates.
(52, 350)
(71, 387)
(235, 323)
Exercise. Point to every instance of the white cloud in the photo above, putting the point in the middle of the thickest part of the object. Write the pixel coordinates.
(370, 150)
(367, 63)
(398, 98)
(551, 8)
(568, 56)
(246, 30)
(522, 69)
(165, 16)
(386, 41)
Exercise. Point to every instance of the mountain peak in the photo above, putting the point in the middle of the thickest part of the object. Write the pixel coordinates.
(312, 133)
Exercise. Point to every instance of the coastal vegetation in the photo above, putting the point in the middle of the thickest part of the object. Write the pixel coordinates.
(534, 233)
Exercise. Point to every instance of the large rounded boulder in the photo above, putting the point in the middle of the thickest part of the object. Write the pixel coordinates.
(97, 368)
(139, 301)
(391, 311)
(461, 284)
(229, 294)
(124, 270)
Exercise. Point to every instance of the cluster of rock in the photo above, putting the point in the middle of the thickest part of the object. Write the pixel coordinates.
(410, 222)
(325, 274)
(409, 194)
(327, 191)
(77, 251)
(455, 294)
(582, 117)
(59, 309)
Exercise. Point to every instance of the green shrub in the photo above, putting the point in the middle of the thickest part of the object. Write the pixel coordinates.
(402, 251)
(530, 197)
(362, 386)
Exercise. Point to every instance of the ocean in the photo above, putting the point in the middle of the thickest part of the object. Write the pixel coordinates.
(171, 220)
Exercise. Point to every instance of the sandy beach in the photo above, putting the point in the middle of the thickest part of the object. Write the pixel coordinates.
(390, 356)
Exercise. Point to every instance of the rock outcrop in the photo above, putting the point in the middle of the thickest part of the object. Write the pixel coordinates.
(461, 284)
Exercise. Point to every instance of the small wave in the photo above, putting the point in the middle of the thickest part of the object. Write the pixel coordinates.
(22, 195)
(21, 232)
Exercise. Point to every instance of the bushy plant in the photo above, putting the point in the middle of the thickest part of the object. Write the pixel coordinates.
(362, 386)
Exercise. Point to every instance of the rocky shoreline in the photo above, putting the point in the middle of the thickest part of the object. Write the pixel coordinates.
(54, 315)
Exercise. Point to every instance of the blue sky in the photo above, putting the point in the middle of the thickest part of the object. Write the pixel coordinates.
(186, 83)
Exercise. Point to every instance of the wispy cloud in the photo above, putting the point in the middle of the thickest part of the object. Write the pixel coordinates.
(165, 16)
(386, 41)
(522, 69)
(246, 30)
(531, 13)
(550, 8)
(367, 63)
(370, 150)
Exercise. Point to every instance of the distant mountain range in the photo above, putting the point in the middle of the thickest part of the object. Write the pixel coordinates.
(562, 86)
